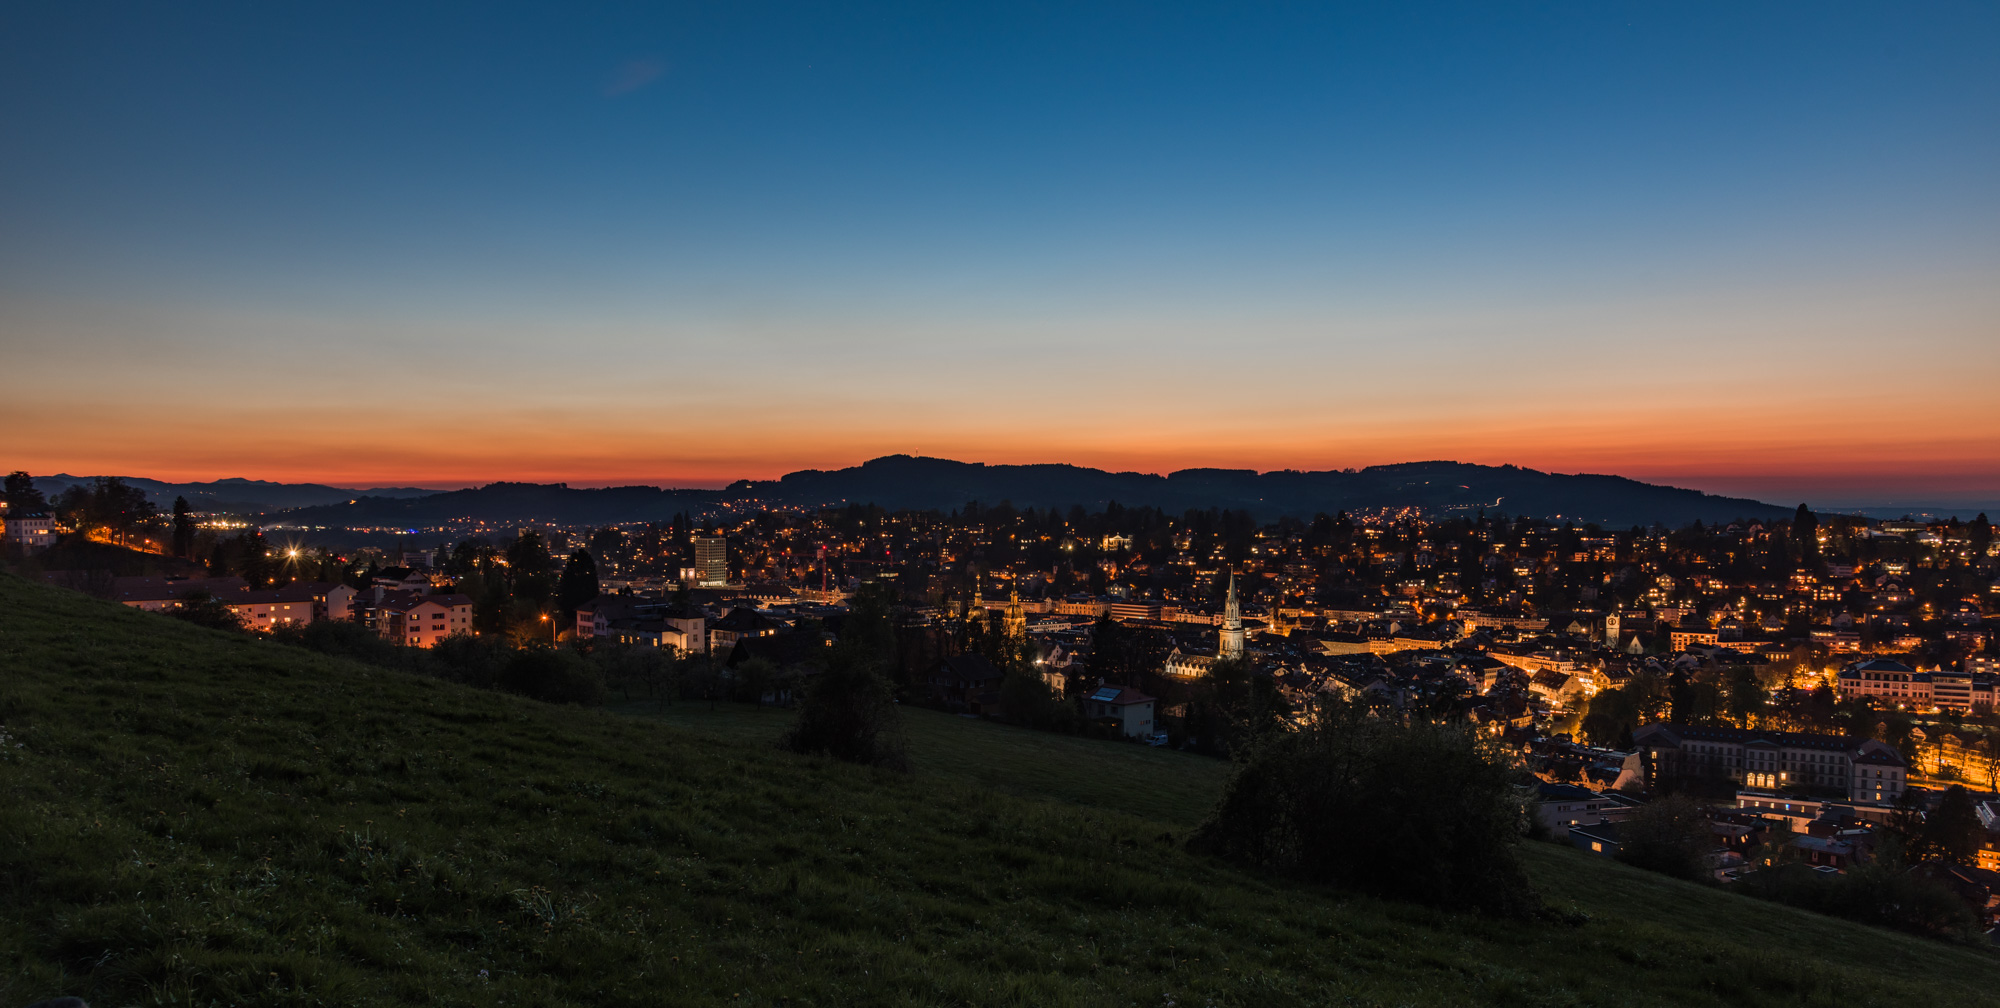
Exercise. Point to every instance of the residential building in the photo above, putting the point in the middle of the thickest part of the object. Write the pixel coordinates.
(738, 624)
(420, 620)
(1561, 807)
(1951, 690)
(634, 619)
(966, 682)
(1128, 710)
(1597, 838)
(1887, 680)
(1134, 609)
(31, 532)
(270, 608)
(647, 631)
(155, 594)
(261, 609)
(1861, 770)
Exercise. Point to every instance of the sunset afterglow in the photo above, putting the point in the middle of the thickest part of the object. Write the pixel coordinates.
(1602, 240)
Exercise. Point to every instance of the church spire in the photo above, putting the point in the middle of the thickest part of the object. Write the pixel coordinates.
(1017, 617)
(1231, 643)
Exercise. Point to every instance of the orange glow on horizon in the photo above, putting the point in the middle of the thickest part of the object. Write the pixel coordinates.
(1718, 460)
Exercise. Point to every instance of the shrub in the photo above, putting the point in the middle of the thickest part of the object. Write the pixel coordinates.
(476, 660)
(1882, 893)
(1668, 835)
(202, 609)
(1418, 811)
(849, 713)
(1028, 700)
(552, 675)
(347, 639)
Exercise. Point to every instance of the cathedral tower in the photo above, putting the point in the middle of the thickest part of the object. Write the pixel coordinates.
(1231, 644)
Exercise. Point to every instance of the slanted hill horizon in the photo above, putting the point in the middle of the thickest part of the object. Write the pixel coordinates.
(899, 482)
(191, 817)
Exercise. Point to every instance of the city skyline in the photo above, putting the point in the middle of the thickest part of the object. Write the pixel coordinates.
(1743, 249)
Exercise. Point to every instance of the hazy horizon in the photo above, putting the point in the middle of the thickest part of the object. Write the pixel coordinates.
(1965, 502)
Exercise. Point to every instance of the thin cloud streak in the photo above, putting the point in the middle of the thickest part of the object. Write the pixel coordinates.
(632, 76)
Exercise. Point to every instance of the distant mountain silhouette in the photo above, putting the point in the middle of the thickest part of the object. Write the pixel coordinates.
(903, 481)
(510, 502)
(235, 493)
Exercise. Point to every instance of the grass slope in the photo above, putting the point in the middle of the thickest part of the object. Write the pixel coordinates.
(188, 817)
(1170, 787)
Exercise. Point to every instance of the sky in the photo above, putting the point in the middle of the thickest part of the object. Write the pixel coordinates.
(1749, 248)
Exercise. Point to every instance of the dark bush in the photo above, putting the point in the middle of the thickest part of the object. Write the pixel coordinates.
(202, 609)
(348, 640)
(1028, 700)
(1668, 835)
(850, 713)
(1884, 893)
(473, 660)
(1421, 811)
(552, 675)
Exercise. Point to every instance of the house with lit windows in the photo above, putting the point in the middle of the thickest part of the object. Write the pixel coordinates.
(421, 620)
(1861, 770)
(1887, 680)
(30, 532)
(270, 608)
(1127, 710)
(1562, 807)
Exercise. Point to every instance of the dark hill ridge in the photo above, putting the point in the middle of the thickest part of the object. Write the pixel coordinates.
(235, 493)
(511, 502)
(899, 481)
(904, 481)
(194, 817)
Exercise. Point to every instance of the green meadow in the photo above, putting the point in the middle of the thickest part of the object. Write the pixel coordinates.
(189, 817)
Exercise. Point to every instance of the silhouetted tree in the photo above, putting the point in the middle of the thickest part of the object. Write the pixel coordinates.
(1667, 835)
(183, 534)
(22, 497)
(554, 675)
(578, 584)
(1952, 831)
(1746, 698)
(849, 712)
(1805, 532)
(531, 568)
(1420, 811)
(202, 609)
(253, 561)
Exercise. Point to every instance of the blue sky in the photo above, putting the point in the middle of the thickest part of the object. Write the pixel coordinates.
(1675, 241)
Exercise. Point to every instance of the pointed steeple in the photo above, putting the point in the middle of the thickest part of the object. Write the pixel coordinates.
(1231, 643)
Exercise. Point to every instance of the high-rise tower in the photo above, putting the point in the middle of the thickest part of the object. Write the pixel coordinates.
(1231, 645)
(711, 560)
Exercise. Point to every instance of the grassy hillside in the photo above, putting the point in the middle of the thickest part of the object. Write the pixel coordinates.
(188, 817)
(1169, 787)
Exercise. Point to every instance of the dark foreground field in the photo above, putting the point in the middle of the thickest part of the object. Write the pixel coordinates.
(193, 818)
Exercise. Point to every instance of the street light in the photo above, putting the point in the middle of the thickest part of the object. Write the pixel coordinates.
(553, 629)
